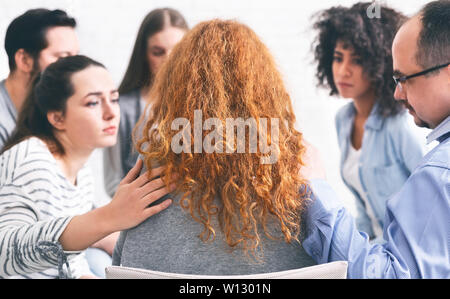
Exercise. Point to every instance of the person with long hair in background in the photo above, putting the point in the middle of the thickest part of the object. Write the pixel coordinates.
(47, 213)
(238, 204)
(379, 149)
(159, 32)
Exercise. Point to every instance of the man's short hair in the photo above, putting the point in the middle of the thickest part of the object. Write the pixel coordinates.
(433, 45)
(28, 31)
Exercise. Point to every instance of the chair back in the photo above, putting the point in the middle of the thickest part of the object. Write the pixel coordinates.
(333, 270)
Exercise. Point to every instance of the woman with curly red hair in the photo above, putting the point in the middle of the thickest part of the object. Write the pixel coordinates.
(232, 214)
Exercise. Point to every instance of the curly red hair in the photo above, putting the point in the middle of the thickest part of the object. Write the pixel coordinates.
(223, 69)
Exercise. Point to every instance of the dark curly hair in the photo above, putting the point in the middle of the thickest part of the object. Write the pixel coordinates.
(371, 39)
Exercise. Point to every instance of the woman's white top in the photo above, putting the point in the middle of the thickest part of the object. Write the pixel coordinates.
(350, 171)
(37, 202)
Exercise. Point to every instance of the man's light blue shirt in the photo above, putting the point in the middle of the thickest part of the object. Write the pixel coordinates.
(416, 230)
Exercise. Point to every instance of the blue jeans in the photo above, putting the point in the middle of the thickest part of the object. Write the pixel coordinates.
(98, 260)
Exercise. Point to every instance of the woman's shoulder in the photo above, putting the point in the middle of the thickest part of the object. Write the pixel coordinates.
(344, 115)
(345, 112)
(397, 123)
(28, 157)
(28, 147)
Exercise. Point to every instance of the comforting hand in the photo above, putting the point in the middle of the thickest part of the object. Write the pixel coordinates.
(129, 207)
(130, 204)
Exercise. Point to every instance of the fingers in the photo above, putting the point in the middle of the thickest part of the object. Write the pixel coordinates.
(157, 208)
(157, 194)
(133, 173)
(145, 177)
(154, 196)
(152, 186)
(156, 172)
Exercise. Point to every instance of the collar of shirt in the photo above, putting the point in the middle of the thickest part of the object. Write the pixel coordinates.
(440, 131)
(375, 121)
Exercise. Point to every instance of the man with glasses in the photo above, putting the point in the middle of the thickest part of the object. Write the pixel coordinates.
(417, 227)
(400, 81)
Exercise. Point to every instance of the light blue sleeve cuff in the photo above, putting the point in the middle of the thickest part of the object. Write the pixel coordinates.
(320, 219)
(332, 233)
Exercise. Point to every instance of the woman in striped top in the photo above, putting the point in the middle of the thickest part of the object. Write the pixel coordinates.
(47, 218)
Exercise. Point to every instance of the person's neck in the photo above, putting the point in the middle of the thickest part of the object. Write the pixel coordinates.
(364, 104)
(73, 160)
(18, 84)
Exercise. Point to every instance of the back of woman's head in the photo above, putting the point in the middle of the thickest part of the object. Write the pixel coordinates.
(221, 71)
(371, 39)
(138, 73)
(50, 92)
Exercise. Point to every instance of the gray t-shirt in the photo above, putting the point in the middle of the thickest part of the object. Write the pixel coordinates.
(169, 242)
(8, 115)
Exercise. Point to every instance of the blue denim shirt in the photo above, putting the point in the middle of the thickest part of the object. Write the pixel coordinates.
(390, 152)
(416, 230)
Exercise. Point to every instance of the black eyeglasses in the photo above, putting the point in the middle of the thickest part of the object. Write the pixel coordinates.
(400, 80)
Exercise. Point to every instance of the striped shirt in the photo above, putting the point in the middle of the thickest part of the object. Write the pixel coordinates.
(8, 115)
(36, 204)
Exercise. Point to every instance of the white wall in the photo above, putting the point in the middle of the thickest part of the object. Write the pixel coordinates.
(107, 30)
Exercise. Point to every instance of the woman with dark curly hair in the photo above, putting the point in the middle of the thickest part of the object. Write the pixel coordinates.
(378, 147)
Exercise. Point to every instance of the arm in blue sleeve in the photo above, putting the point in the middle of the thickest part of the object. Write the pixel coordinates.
(333, 236)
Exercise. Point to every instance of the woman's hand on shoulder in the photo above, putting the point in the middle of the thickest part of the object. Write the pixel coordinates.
(130, 205)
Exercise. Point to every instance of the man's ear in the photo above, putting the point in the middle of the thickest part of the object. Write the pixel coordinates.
(56, 119)
(24, 61)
